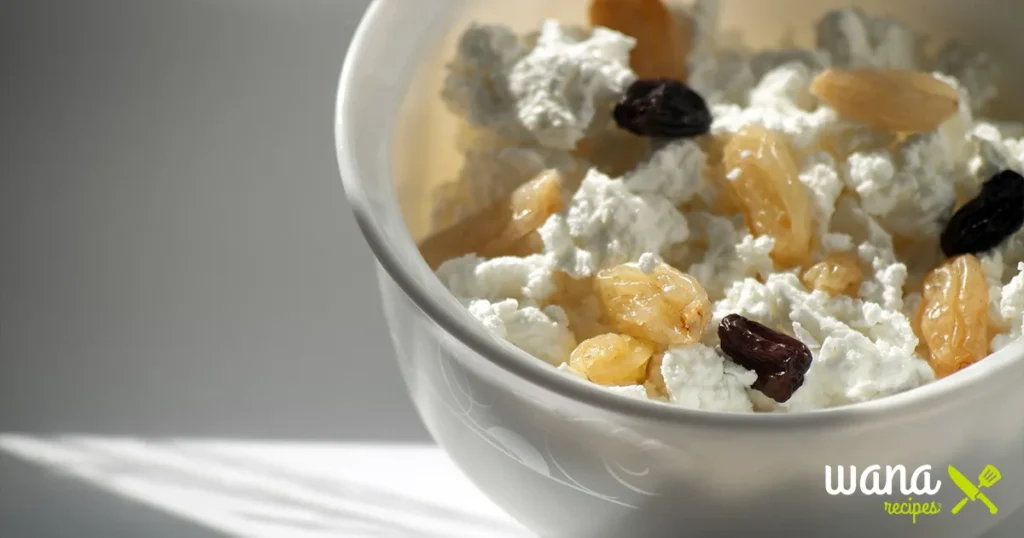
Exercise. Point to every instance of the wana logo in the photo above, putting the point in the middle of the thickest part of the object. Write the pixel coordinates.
(871, 482)
(893, 479)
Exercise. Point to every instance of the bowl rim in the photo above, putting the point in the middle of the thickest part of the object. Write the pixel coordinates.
(437, 303)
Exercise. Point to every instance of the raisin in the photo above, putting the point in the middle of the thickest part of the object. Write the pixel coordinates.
(889, 100)
(984, 222)
(662, 108)
(767, 185)
(779, 360)
(502, 228)
(839, 273)
(667, 307)
(612, 359)
(952, 318)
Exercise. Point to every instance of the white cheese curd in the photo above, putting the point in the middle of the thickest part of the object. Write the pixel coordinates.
(753, 300)
(729, 76)
(908, 192)
(884, 276)
(974, 69)
(992, 265)
(992, 153)
(836, 242)
(954, 133)
(1011, 310)
(804, 129)
(820, 177)
(674, 172)
(856, 40)
(786, 87)
(648, 262)
(732, 253)
(1016, 148)
(543, 333)
(698, 377)
(525, 279)
(606, 224)
(551, 87)
(528, 101)
(630, 391)
(861, 350)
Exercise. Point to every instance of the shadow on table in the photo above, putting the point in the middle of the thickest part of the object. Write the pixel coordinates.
(253, 497)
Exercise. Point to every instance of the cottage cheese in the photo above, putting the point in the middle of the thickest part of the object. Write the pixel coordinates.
(974, 69)
(855, 40)
(543, 333)
(552, 87)
(1011, 310)
(821, 177)
(674, 172)
(732, 254)
(908, 192)
(861, 350)
(607, 224)
(524, 279)
(528, 100)
(698, 377)
(804, 129)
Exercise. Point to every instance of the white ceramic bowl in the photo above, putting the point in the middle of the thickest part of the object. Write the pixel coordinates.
(570, 460)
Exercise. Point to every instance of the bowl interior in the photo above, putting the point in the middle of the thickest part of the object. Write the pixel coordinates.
(396, 141)
(424, 145)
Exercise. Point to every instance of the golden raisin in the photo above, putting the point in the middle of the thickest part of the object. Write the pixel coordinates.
(954, 315)
(666, 307)
(612, 359)
(764, 177)
(662, 42)
(838, 274)
(499, 228)
(891, 100)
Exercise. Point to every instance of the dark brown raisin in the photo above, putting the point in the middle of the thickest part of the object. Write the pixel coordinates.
(779, 360)
(986, 221)
(662, 108)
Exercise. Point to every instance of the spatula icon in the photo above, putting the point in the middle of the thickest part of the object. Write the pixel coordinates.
(988, 477)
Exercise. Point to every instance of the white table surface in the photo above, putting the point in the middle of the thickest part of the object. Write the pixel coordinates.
(190, 339)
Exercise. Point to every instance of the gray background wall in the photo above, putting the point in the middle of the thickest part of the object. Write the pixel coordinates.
(176, 254)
